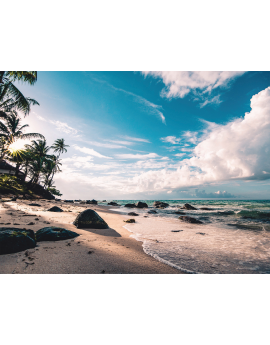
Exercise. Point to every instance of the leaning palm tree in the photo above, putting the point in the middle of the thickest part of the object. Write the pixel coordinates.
(10, 96)
(59, 146)
(12, 130)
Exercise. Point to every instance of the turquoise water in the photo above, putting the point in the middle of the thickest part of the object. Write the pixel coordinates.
(234, 236)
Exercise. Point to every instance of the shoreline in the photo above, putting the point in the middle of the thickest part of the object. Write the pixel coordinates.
(95, 251)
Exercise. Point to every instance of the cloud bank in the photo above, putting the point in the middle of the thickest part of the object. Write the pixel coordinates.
(216, 195)
(238, 150)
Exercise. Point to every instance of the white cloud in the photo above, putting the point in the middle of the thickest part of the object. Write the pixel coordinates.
(135, 139)
(88, 151)
(218, 194)
(238, 150)
(200, 84)
(171, 139)
(136, 156)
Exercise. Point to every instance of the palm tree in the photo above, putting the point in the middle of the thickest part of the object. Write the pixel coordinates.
(59, 146)
(39, 151)
(11, 130)
(10, 96)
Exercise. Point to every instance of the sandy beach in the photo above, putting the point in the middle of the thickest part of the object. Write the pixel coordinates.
(94, 251)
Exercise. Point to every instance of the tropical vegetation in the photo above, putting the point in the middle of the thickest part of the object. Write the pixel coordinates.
(38, 161)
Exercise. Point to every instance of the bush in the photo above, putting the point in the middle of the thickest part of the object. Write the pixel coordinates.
(54, 191)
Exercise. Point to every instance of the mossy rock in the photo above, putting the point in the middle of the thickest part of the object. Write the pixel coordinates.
(89, 219)
(55, 209)
(53, 233)
(13, 240)
(129, 221)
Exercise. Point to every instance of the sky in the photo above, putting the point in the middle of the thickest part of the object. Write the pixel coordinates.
(157, 135)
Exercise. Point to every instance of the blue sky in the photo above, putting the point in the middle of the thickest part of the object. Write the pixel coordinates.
(152, 135)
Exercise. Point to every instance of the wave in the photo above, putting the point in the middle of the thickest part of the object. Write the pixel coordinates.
(254, 215)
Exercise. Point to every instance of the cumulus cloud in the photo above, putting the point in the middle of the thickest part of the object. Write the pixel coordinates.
(218, 194)
(237, 150)
(200, 84)
(88, 151)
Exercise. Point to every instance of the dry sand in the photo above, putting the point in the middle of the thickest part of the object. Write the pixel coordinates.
(94, 251)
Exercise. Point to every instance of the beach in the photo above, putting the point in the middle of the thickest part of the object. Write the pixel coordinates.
(95, 251)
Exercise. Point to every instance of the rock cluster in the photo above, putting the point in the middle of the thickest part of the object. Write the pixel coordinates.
(188, 207)
(160, 204)
(112, 203)
(190, 220)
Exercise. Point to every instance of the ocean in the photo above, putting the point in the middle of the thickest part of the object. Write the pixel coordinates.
(234, 237)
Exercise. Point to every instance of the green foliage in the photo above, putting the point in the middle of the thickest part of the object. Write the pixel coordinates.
(54, 191)
(11, 184)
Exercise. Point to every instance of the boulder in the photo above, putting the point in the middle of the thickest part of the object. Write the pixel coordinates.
(130, 205)
(190, 220)
(129, 221)
(91, 202)
(188, 207)
(55, 209)
(13, 240)
(132, 214)
(112, 203)
(160, 204)
(53, 233)
(34, 205)
(179, 212)
(91, 220)
(141, 204)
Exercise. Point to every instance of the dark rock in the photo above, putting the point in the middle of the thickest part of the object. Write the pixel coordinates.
(91, 202)
(130, 205)
(176, 230)
(200, 233)
(13, 199)
(188, 207)
(179, 212)
(55, 209)
(13, 240)
(129, 221)
(31, 223)
(152, 211)
(90, 219)
(141, 204)
(190, 220)
(132, 214)
(205, 209)
(34, 205)
(53, 233)
(160, 204)
(104, 200)
(112, 203)
(71, 201)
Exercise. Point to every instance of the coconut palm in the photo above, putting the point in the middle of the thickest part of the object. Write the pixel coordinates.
(10, 96)
(12, 130)
(59, 146)
(39, 151)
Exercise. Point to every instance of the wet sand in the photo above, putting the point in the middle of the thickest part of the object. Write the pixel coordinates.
(96, 251)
